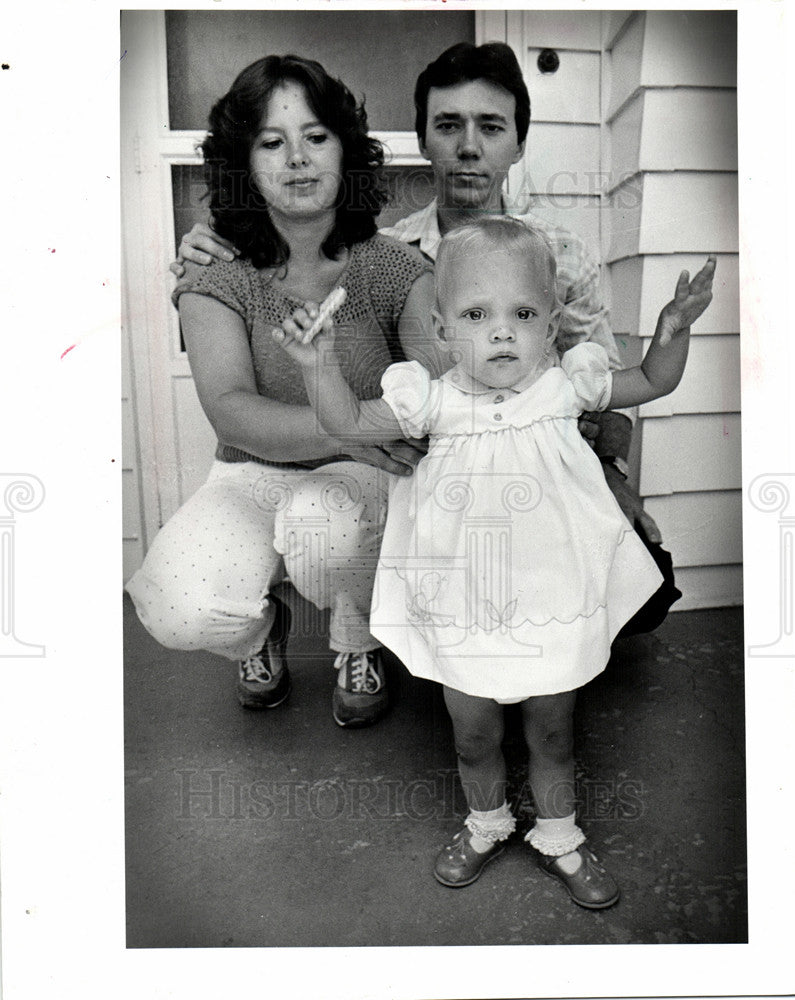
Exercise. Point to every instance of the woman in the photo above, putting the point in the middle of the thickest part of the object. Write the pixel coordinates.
(294, 185)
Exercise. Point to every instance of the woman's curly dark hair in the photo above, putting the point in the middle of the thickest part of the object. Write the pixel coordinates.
(239, 211)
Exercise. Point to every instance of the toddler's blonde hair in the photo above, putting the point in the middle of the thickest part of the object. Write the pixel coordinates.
(494, 232)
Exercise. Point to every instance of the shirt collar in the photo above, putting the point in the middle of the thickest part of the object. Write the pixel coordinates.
(423, 228)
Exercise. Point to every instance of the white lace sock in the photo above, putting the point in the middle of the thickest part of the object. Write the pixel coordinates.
(486, 828)
(559, 837)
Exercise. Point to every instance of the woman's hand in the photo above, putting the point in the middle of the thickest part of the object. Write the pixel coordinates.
(397, 457)
(202, 245)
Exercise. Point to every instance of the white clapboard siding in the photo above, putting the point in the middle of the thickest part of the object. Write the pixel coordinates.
(690, 453)
(700, 528)
(556, 29)
(571, 94)
(686, 211)
(642, 285)
(622, 141)
(711, 382)
(614, 23)
(561, 171)
(689, 129)
(625, 64)
(562, 159)
(674, 212)
(709, 587)
(671, 150)
(626, 283)
(624, 217)
(672, 49)
(674, 129)
(690, 49)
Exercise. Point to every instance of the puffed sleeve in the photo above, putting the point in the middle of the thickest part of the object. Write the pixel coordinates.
(413, 397)
(588, 369)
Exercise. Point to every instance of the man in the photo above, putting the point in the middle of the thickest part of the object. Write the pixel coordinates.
(472, 118)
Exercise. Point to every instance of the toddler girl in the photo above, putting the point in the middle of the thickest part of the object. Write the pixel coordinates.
(507, 568)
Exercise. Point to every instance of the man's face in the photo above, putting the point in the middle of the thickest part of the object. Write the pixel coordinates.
(471, 141)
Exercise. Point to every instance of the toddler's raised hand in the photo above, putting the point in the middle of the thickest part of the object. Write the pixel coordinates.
(298, 335)
(690, 300)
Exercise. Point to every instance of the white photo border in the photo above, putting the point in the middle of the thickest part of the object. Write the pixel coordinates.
(61, 727)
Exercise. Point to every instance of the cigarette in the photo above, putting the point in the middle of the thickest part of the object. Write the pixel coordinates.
(328, 307)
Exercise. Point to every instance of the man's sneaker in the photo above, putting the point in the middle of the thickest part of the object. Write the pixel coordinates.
(360, 697)
(263, 679)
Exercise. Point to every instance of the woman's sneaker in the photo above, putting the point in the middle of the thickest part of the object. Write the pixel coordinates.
(360, 696)
(263, 679)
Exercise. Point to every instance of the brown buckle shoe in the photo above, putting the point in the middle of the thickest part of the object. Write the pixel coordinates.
(590, 886)
(459, 864)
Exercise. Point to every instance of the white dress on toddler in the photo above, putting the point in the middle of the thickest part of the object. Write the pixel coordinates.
(507, 567)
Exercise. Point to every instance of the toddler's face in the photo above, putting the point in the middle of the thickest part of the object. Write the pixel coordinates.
(495, 314)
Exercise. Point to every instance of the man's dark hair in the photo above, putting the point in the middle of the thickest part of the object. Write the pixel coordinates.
(494, 62)
(238, 210)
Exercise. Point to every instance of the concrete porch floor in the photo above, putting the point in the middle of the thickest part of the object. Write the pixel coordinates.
(278, 828)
